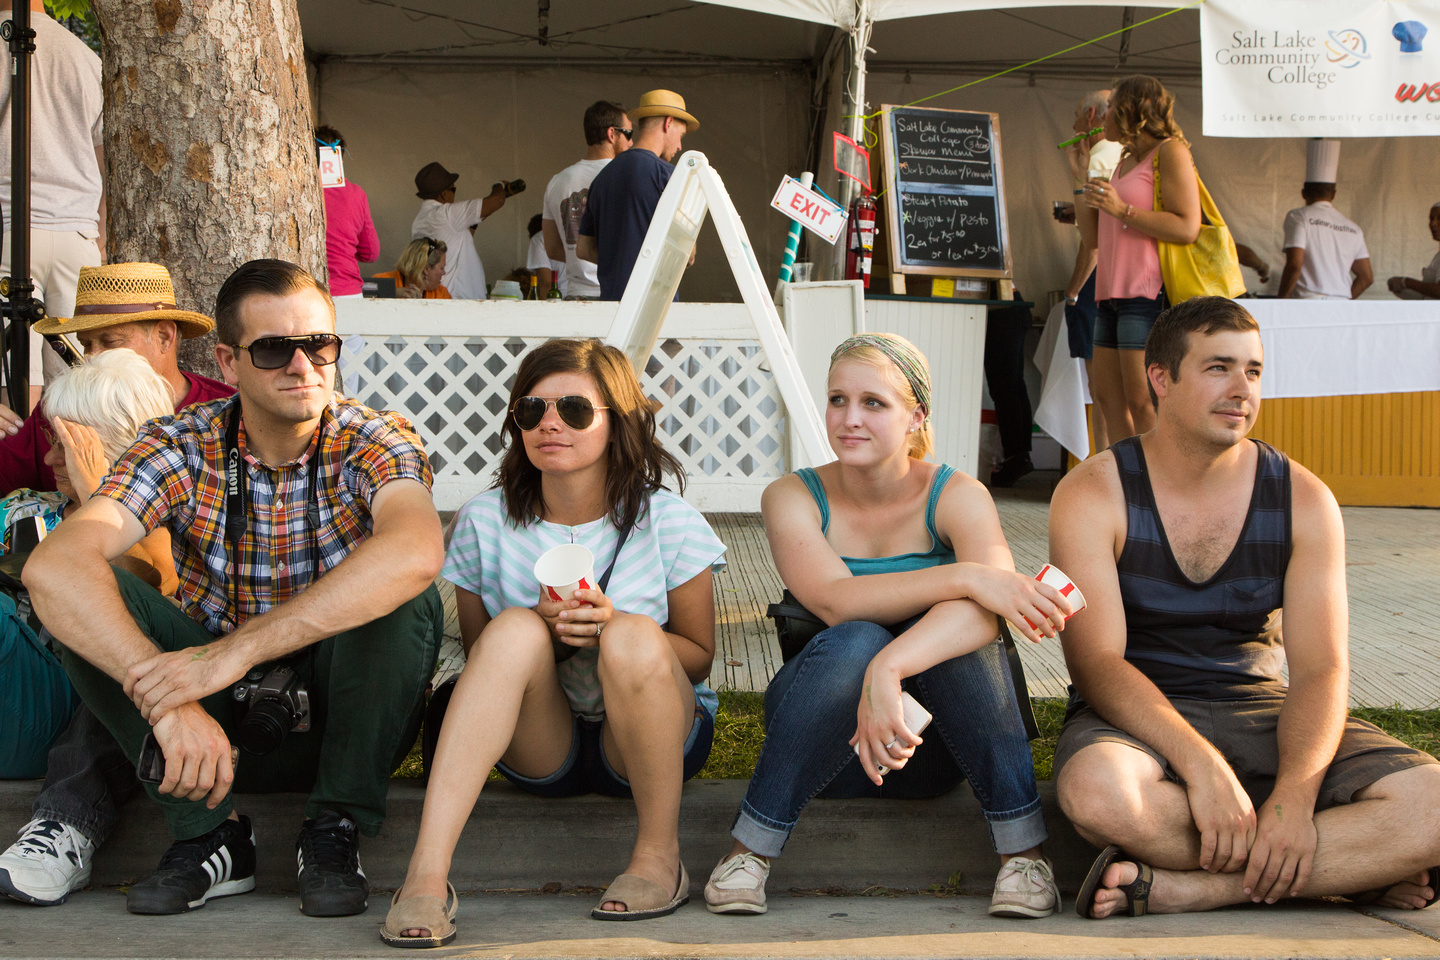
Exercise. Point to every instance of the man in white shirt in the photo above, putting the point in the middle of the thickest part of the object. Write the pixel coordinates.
(1325, 253)
(67, 160)
(607, 135)
(442, 218)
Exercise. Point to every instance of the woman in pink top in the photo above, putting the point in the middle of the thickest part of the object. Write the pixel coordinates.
(1128, 286)
(349, 232)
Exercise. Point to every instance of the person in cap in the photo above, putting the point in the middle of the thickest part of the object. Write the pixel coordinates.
(1427, 286)
(624, 195)
(1325, 253)
(442, 217)
(119, 306)
(607, 135)
(307, 547)
(1206, 747)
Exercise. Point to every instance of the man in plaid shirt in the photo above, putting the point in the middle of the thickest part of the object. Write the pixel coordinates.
(328, 565)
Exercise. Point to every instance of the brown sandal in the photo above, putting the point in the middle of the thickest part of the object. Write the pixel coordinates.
(421, 913)
(643, 899)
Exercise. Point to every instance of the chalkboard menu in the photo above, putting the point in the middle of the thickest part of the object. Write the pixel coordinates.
(944, 192)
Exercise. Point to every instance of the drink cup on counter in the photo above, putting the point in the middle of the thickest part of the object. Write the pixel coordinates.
(564, 569)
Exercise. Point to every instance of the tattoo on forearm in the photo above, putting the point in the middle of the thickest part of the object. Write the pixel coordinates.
(1279, 813)
(200, 654)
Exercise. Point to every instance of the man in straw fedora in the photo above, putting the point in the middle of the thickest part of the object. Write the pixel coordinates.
(129, 305)
(624, 195)
(306, 541)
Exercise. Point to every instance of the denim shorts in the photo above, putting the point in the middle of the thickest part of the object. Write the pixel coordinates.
(1123, 323)
(586, 770)
(1080, 321)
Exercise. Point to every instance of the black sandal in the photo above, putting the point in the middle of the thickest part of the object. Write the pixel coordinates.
(1137, 891)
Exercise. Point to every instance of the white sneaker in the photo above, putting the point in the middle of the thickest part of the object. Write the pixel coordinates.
(49, 861)
(1025, 888)
(737, 885)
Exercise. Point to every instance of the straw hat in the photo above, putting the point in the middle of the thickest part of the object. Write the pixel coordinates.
(664, 103)
(118, 293)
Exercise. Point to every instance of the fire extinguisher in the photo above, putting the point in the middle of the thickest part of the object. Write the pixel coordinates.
(861, 237)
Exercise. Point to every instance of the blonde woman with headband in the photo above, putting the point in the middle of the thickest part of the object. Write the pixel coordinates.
(904, 560)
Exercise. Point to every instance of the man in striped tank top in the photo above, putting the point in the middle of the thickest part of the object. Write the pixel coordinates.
(1185, 755)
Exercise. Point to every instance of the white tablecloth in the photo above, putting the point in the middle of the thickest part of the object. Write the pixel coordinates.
(1313, 348)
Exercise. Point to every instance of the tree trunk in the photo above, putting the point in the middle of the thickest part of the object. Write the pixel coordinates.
(208, 143)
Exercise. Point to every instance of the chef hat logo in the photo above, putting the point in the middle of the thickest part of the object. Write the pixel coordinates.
(1410, 33)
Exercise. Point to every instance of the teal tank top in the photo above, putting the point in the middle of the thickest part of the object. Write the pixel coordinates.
(863, 566)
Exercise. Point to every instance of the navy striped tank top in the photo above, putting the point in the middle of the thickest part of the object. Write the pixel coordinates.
(1220, 639)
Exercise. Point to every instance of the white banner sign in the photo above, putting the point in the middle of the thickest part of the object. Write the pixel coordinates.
(1321, 68)
(810, 209)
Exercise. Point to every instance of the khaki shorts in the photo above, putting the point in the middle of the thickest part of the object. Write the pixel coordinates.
(1244, 731)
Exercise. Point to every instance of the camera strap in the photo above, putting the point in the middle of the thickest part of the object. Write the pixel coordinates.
(619, 545)
(237, 515)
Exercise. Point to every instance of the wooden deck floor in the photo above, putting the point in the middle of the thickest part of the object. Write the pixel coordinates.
(1392, 560)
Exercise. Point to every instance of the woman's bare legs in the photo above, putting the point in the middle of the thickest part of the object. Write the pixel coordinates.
(1137, 390)
(649, 710)
(507, 705)
(1107, 389)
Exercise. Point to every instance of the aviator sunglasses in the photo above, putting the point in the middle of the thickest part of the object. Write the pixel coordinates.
(272, 353)
(576, 412)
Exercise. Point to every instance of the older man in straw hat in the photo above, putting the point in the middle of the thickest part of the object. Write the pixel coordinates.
(307, 547)
(120, 305)
(624, 195)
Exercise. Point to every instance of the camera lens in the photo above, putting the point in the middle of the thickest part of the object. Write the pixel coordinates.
(264, 727)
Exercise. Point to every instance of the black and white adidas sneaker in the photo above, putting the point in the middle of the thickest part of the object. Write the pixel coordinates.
(219, 864)
(327, 854)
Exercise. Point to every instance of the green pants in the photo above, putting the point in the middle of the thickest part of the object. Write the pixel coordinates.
(367, 689)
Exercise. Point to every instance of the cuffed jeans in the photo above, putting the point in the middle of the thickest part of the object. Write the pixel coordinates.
(366, 686)
(977, 734)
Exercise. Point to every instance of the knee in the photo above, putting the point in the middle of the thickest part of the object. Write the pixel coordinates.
(515, 632)
(1096, 794)
(856, 642)
(633, 651)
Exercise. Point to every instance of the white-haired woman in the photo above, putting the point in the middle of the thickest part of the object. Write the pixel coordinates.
(95, 412)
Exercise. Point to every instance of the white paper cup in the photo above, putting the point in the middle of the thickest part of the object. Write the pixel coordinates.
(564, 569)
(1052, 575)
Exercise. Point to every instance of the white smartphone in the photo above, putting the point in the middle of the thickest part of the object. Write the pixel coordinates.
(916, 717)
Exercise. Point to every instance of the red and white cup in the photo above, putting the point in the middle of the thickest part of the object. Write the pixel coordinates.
(564, 569)
(1052, 575)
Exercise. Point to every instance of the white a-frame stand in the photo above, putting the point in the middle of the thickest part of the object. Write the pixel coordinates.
(694, 189)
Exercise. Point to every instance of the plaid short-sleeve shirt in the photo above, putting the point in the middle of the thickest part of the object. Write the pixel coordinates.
(174, 476)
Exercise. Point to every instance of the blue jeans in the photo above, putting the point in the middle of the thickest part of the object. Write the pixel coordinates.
(977, 734)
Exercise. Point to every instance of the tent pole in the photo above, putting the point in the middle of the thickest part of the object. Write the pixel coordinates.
(853, 108)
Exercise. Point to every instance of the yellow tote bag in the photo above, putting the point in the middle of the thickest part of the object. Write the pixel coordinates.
(1209, 267)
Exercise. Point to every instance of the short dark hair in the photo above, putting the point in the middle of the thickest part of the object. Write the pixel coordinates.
(637, 460)
(275, 278)
(1169, 339)
(1313, 191)
(600, 116)
(327, 136)
(535, 224)
(645, 123)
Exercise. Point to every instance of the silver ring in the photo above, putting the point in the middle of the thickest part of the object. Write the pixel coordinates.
(892, 743)
(597, 631)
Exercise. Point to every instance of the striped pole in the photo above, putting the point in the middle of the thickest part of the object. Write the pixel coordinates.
(792, 241)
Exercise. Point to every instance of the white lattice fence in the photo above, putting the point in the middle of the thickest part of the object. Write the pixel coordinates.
(720, 415)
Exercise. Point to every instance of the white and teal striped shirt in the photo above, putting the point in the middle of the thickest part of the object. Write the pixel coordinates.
(669, 546)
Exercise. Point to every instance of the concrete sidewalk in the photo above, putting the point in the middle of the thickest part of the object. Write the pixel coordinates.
(94, 924)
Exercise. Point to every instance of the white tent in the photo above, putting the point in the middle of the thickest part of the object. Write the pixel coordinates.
(470, 83)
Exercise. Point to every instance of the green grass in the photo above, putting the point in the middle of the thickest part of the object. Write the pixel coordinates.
(740, 731)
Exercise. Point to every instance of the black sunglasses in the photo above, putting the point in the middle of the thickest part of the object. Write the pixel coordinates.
(431, 244)
(576, 412)
(627, 134)
(272, 353)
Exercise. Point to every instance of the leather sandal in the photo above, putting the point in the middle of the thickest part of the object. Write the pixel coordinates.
(421, 913)
(1137, 891)
(643, 899)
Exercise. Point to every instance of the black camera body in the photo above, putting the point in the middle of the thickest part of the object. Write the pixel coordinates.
(274, 703)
